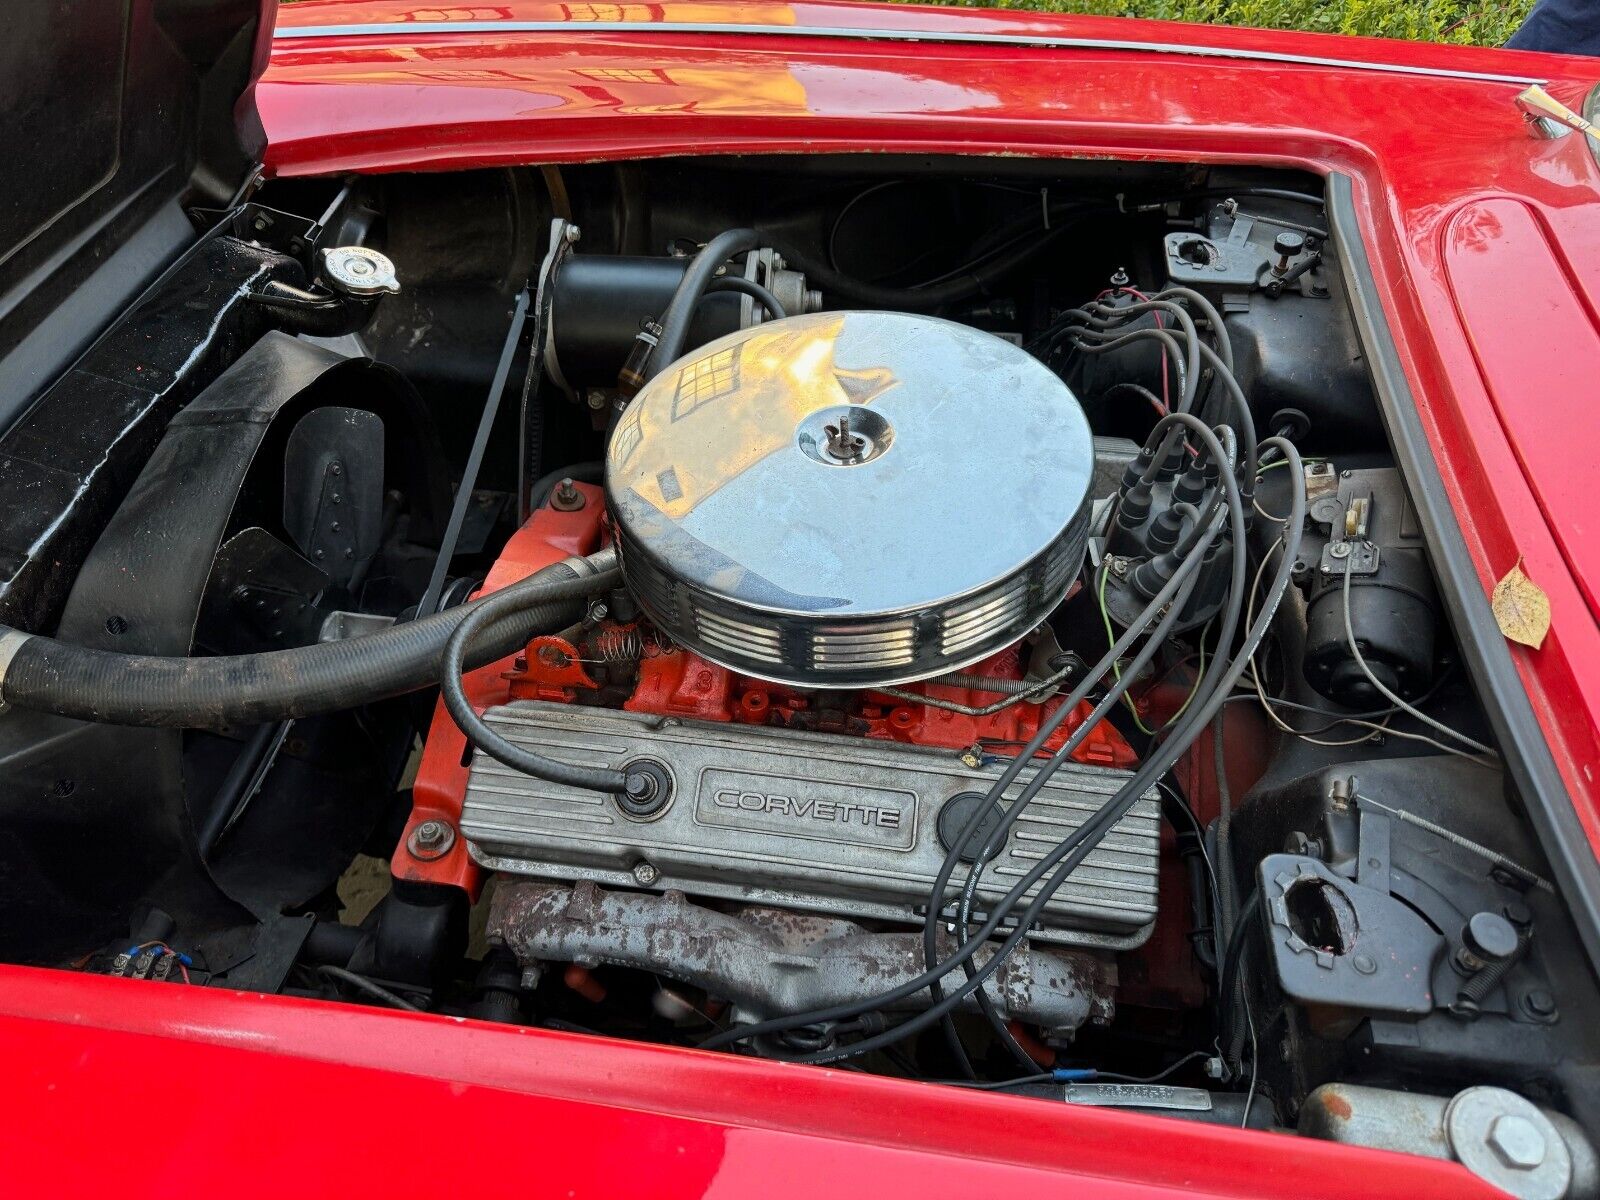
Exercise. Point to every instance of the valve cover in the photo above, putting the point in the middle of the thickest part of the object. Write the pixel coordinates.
(797, 820)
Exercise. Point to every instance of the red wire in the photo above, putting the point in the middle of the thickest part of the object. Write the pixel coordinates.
(1166, 399)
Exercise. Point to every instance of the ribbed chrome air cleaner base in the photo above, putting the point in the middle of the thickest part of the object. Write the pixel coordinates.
(851, 499)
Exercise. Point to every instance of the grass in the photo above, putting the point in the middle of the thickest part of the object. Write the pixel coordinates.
(1484, 23)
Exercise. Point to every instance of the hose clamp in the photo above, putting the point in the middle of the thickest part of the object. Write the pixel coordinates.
(10, 642)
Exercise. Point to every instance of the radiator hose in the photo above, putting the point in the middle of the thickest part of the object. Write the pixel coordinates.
(51, 676)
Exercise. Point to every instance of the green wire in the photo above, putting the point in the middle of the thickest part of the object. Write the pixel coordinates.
(1283, 462)
(1199, 673)
(1111, 640)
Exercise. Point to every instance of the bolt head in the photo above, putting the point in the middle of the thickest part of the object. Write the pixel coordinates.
(566, 497)
(644, 874)
(1518, 913)
(1517, 1142)
(430, 840)
(1539, 1003)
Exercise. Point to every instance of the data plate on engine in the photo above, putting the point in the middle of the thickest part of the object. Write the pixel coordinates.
(819, 822)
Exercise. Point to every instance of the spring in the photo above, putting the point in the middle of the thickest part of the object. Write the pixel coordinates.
(615, 645)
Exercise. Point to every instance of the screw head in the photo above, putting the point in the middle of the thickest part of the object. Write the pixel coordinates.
(430, 840)
(645, 874)
(1517, 1142)
(1340, 550)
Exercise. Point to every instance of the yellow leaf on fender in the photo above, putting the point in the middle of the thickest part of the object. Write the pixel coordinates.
(1521, 608)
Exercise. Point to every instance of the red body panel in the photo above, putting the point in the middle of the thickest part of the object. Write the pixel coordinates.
(1453, 196)
(112, 1086)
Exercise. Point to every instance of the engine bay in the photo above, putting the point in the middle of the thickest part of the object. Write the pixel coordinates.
(957, 619)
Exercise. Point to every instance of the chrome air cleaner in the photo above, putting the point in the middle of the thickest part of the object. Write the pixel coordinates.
(851, 499)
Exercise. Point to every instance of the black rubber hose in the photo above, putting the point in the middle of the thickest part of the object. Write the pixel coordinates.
(1227, 885)
(1231, 1000)
(921, 299)
(680, 309)
(46, 675)
(638, 785)
(703, 267)
(749, 287)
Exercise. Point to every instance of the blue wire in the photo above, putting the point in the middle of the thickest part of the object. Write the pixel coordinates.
(1073, 1074)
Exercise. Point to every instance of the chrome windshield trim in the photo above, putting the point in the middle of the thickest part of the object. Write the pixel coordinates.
(398, 29)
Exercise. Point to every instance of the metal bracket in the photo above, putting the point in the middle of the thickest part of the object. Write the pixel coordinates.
(1353, 558)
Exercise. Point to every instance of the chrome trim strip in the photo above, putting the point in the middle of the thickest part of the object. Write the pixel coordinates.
(397, 29)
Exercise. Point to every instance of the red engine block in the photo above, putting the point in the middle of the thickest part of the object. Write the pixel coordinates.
(678, 683)
(675, 682)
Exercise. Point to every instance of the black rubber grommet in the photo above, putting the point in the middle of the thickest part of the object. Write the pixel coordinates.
(647, 789)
